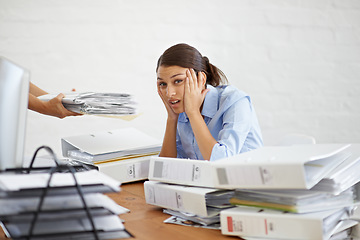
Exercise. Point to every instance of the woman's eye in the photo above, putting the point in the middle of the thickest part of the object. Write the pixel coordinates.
(162, 84)
(178, 81)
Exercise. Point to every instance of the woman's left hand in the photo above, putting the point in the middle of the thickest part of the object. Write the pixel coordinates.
(195, 91)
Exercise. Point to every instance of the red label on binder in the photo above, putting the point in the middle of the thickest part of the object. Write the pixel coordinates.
(266, 227)
(230, 224)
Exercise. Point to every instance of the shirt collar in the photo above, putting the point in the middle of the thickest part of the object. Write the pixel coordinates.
(210, 105)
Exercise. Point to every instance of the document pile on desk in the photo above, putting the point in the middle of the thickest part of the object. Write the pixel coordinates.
(123, 154)
(197, 205)
(287, 192)
(30, 210)
(97, 103)
(184, 188)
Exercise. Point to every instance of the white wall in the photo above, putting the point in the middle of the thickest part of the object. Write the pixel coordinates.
(298, 59)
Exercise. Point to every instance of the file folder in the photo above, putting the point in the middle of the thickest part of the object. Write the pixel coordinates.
(279, 167)
(264, 223)
(127, 169)
(185, 198)
(109, 145)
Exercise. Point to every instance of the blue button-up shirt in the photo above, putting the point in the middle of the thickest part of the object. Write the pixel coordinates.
(231, 119)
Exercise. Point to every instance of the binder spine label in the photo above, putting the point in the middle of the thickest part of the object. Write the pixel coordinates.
(131, 170)
(137, 170)
(164, 197)
(244, 175)
(179, 201)
(182, 171)
(230, 224)
(248, 225)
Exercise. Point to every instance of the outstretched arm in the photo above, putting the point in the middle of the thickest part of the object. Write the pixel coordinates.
(54, 107)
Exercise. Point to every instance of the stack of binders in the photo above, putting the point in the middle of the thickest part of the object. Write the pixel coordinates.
(123, 154)
(280, 192)
(188, 204)
(60, 205)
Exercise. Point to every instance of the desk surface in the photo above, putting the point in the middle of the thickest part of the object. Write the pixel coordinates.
(146, 221)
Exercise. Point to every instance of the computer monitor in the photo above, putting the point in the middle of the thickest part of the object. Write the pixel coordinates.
(14, 95)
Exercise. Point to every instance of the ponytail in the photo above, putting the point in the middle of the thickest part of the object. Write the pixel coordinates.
(215, 76)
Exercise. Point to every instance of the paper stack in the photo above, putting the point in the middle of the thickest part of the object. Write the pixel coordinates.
(280, 188)
(197, 205)
(97, 103)
(123, 154)
(35, 206)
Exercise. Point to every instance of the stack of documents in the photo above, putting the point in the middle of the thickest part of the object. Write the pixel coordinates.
(317, 180)
(97, 103)
(31, 210)
(343, 176)
(196, 204)
(272, 224)
(123, 154)
(294, 200)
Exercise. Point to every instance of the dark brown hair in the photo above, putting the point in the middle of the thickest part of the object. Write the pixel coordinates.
(186, 56)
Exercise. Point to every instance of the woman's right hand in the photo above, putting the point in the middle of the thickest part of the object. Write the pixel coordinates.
(171, 114)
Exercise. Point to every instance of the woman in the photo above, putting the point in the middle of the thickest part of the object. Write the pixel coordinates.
(206, 119)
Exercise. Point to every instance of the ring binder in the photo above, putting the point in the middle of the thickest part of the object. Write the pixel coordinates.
(58, 168)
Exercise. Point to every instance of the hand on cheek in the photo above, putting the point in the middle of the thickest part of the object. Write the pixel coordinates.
(195, 92)
(170, 111)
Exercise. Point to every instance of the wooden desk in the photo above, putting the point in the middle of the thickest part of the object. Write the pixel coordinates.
(145, 221)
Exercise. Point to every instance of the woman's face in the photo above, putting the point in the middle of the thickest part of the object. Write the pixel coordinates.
(171, 84)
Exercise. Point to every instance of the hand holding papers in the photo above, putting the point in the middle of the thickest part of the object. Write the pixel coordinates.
(107, 104)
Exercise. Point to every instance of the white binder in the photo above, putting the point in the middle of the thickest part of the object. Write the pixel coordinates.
(109, 145)
(257, 222)
(343, 176)
(129, 169)
(279, 167)
(181, 198)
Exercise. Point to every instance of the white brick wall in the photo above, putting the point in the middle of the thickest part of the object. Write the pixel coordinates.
(298, 59)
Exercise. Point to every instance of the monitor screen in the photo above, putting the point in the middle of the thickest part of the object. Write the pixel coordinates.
(14, 95)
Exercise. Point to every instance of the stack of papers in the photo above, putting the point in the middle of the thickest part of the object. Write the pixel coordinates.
(62, 214)
(343, 176)
(123, 154)
(315, 185)
(193, 204)
(97, 103)
(293, 200)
